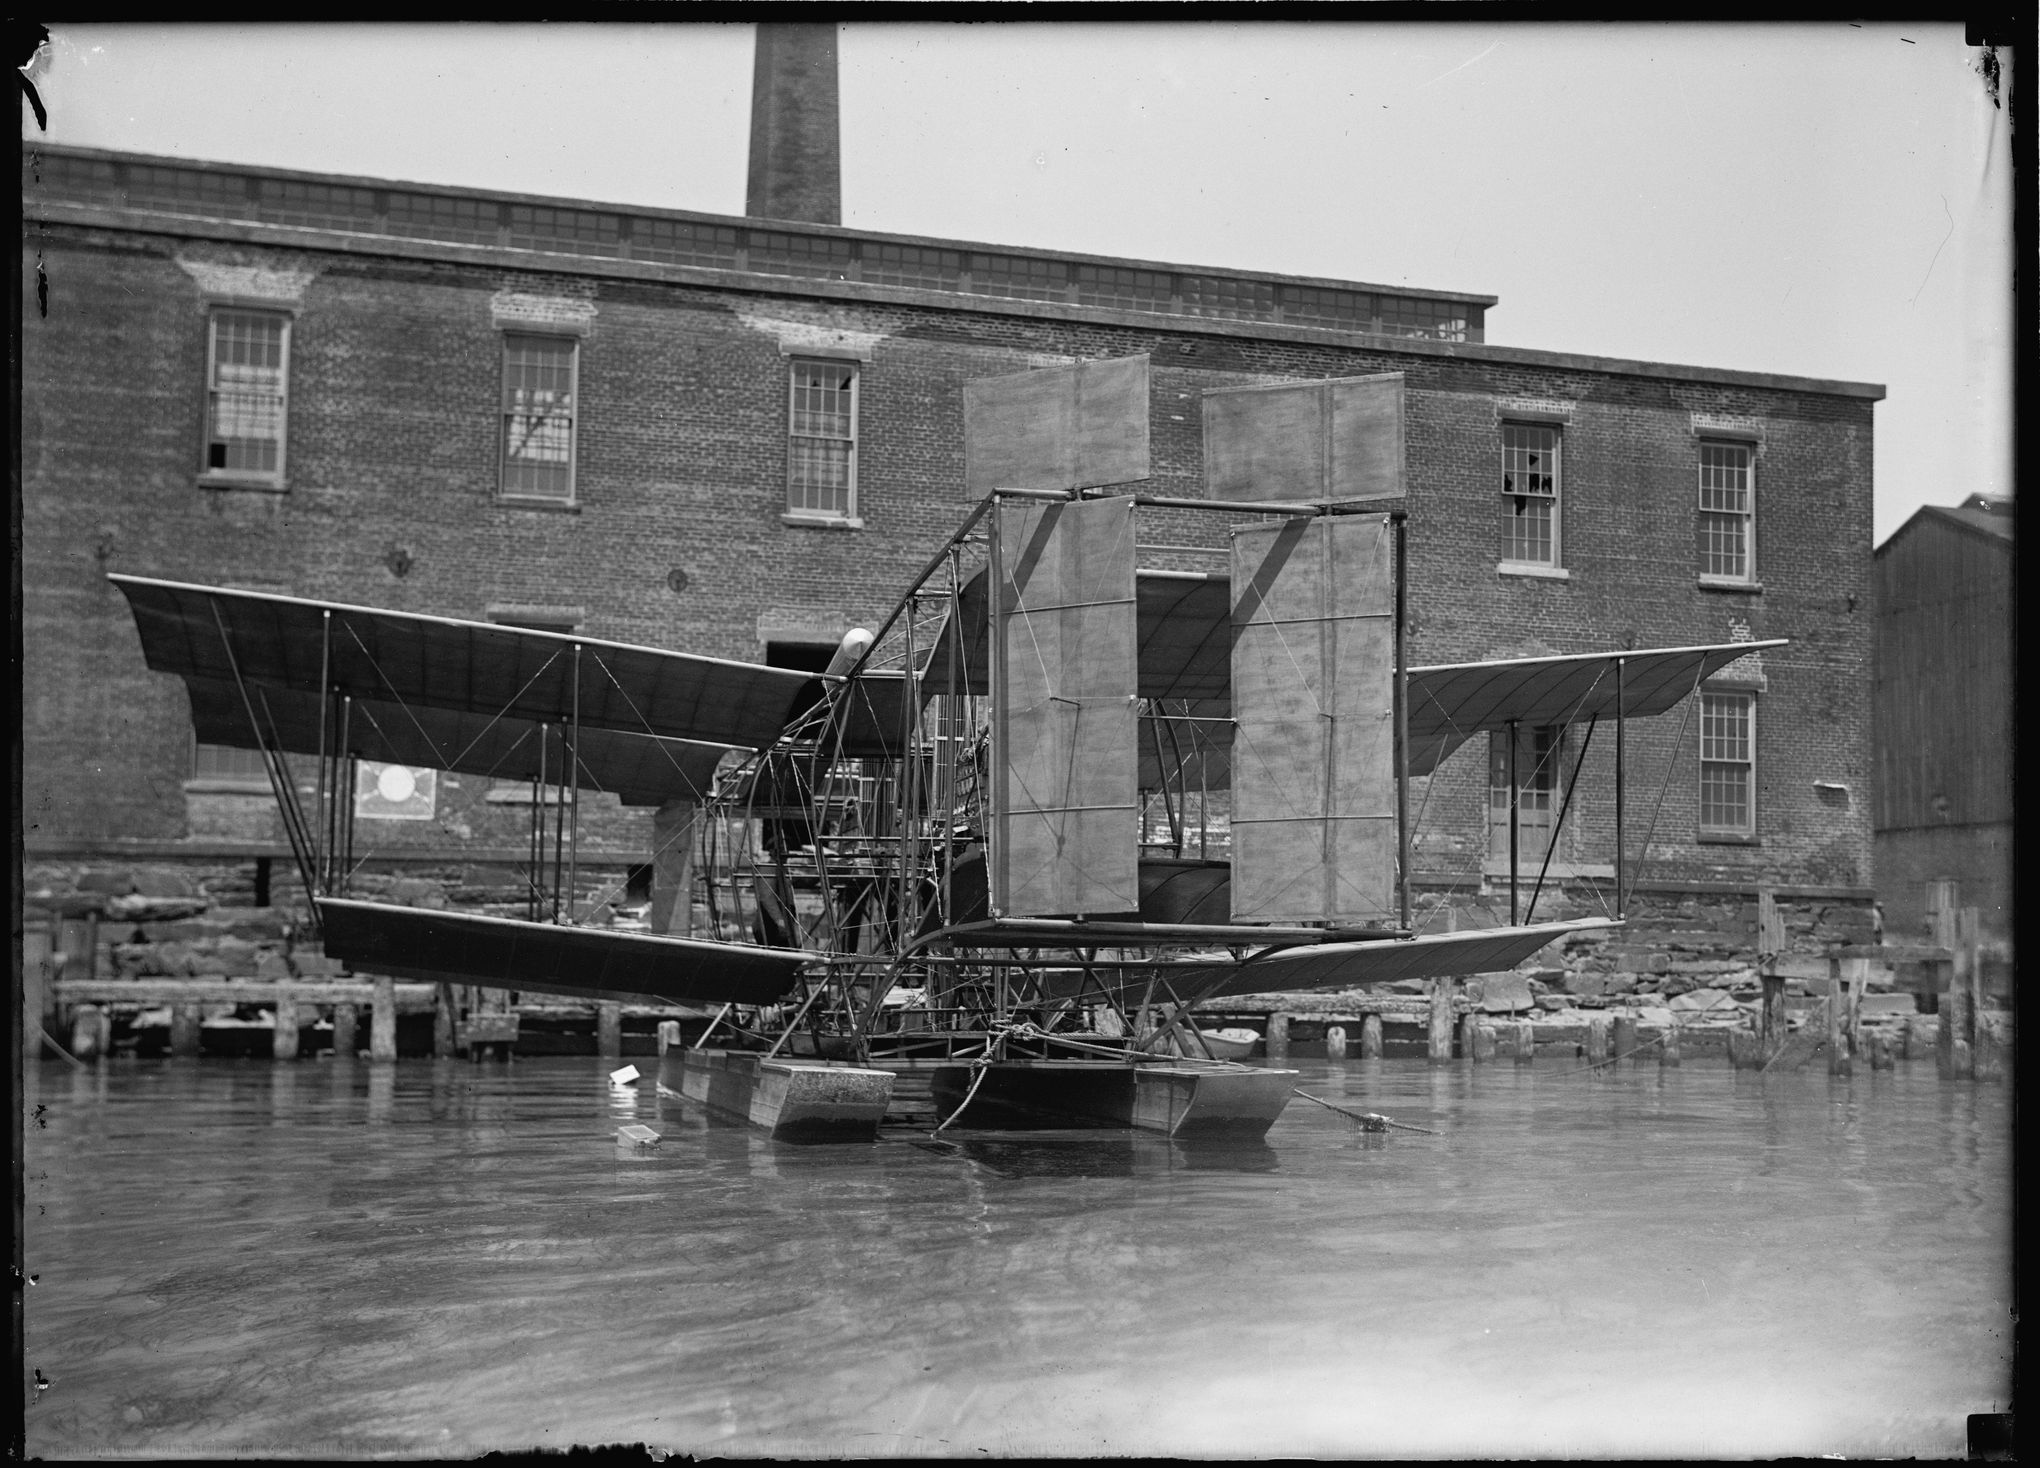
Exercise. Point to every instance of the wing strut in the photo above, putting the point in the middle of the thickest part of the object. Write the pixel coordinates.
(279, 778)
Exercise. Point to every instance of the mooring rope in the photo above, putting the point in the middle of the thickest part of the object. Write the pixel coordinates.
(1373, 1121)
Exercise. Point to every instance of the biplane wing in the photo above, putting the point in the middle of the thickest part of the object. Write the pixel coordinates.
(1449, 703)
(479, 668)
(1360, 965)
(640, 769)
(544, 958)
(1185, 642)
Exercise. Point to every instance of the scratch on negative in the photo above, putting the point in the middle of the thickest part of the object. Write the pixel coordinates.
(1937, 250)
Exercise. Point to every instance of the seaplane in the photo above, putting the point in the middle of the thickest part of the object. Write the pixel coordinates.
(921, 872)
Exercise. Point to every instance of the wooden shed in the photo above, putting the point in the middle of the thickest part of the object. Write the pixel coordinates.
(1943, 713)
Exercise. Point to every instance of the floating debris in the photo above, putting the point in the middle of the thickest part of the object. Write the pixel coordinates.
(623, 1077)
(637, 1136)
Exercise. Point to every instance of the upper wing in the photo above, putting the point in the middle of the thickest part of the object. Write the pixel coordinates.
(404, 658)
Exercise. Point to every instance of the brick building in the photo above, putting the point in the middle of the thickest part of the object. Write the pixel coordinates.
(740, 436)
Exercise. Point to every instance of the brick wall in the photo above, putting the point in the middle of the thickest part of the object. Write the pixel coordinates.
(681, 464)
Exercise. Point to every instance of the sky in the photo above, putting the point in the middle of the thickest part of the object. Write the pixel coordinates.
(1824, 200)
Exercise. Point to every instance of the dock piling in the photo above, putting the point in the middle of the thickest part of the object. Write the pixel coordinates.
(1370, 1037)
(346, 1031)
(609, 1029)
(1525, 1042)
(1668, 1048)
(1278, 1037)
(1597, 1040)
(1441, 1020)
(283, 1044)
(445, 1013)
(1335, 1042)
(1483, 1046)
(184, 1031)
(382, 1020)
(90, 1030)
(1627, 1033)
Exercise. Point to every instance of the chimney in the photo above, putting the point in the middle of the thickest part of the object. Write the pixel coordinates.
(794, 137)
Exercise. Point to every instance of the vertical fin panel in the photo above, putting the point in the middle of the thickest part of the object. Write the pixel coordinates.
(1065, 813)
(1313, 770)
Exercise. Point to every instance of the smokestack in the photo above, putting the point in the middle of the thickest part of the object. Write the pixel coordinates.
(795, 173)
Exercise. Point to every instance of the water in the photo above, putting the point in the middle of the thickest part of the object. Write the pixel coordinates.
(436, 1259)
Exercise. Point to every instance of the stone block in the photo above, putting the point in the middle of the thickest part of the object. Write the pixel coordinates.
(234, 957)
(136, 909)
(252, 923)
(271, 964)
(113, 881)
(164, 882)
(316, 966)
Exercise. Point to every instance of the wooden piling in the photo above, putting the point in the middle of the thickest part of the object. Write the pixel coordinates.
(1772, 1023)
(1597, 1040)
(346, 1031)
(609, 1029)
(1840, 1061)
(1483, 1046)
(1277, 1037)
(445, 1015)
(283, 1042)
(1335, 1042)
(669, 1035)
(1463, 1034)
(38, 946)
(184, 1031)
(1526, 1042)
(1880, 1051)
(1745, 1049)
(1668, 1048)
(1627, 1036)
(1370, 1037)
(88, 1032)
(1441, 1020)
(382, 1020)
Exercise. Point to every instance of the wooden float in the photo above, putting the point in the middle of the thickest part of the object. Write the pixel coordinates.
(794, 1100)
(1175, 1098)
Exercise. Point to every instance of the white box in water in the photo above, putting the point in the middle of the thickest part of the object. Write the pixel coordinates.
(623, 1077)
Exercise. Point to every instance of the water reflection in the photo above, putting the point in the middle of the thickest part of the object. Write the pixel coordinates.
(437, 1259)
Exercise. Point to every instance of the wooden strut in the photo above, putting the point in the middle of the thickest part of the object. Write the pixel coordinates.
(279, 773)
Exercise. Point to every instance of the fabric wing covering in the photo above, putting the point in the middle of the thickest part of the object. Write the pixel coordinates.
(1357, 965)
(544, 958)
(638, 768)
(1065, 835)
(1313, 820)
(1451, 703)
(462, 667)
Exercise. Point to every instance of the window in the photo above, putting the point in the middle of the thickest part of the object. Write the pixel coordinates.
(223, 766)
(247, 373)
(1537, 766)
(821, 476)
(1530, 522)
(1728, 764)
(538, 417)
(1727, 524)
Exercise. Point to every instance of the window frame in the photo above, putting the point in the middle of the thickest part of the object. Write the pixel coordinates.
(525, 497)
(1746, 834)
(1747, 578)
(1509, 562)
(1552, 769)
(794, 514)
(201, 781)
(224, 477)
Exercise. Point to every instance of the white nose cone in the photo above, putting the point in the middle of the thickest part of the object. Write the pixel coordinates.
(856, 642)
(396, 784)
